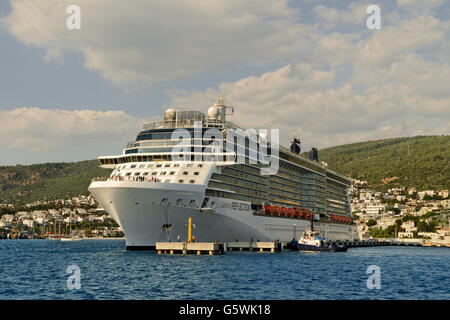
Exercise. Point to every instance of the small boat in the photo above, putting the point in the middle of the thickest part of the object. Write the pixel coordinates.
(74, 238)
(312, 241)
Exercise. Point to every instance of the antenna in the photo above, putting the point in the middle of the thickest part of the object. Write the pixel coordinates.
(223, 108)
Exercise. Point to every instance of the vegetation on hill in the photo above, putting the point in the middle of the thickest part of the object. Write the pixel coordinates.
(422, 162)
(48, 181)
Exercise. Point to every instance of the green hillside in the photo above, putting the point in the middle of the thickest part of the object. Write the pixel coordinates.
(383, 163)
(25, 184)
(422, 162)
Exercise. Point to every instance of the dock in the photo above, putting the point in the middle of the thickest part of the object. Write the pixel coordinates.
(198, 248)
(214, 248)
(270, 246)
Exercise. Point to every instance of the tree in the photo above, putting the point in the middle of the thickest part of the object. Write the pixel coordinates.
(371, 223)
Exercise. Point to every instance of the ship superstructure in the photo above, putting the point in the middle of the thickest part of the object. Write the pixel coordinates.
(202, 166)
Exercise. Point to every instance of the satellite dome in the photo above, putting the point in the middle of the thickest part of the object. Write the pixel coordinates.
(213, 112)
(170, 115)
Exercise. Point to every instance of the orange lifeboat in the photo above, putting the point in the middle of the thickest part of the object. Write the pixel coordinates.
(297, 212)
(277, 210)
(268, 209)
(284, 211)
(274, 210)
(291, 212)
(302, 213)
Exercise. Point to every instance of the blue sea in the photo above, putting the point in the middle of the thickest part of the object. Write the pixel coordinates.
(37, 269)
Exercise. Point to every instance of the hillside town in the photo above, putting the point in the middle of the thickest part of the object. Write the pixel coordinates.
(76, 217)
(402, 213)
(399, 213)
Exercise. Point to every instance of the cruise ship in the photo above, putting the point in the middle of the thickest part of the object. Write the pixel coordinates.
(235, 185)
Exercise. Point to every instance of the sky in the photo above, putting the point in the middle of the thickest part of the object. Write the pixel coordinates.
(313, 69)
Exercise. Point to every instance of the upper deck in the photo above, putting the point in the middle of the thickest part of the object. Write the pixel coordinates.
(157, 142)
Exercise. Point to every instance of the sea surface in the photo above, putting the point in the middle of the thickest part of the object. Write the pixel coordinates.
(37, 269)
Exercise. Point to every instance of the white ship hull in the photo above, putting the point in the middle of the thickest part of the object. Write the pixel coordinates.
(149, 212)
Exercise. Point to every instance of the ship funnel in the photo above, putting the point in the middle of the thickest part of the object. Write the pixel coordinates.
(313, 154)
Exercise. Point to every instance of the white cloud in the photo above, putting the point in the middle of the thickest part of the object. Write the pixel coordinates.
(353, 87)
(302, 101)
(419, 7)
(47, 130)
(136, 42)
(334, 87)
(424, 33)
(329, 17)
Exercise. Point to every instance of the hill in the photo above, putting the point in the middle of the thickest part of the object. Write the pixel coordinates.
(25, 184)
(422, 162)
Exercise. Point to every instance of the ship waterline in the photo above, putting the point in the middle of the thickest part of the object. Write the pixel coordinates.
(152, 191)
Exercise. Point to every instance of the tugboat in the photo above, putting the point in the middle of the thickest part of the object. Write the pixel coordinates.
(311, 241)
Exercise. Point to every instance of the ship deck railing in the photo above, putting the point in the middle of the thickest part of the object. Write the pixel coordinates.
(189, 123)
(130, 178)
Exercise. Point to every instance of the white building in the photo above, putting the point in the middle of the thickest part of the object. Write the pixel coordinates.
(374, 210)
(409, 227)
(422, 194)
(405, 235)
(28, 222)
(443, 194)
(385, 222)
(5, 224)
